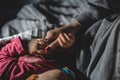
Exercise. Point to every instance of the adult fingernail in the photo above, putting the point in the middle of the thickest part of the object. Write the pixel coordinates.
(47, 49)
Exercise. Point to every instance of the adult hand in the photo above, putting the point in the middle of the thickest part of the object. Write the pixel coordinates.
(66, 40)
(52, 35)
(54, 74)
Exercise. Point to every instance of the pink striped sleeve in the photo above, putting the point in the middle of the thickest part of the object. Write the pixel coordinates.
(13, 48)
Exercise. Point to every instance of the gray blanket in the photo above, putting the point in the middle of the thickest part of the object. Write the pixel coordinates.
(99, 51)
(34, 20)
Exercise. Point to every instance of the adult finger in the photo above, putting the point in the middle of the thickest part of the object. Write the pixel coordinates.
(67, 37)
(62, 43)
(52, 45)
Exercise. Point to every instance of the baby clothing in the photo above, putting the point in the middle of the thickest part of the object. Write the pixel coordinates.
(15, 64)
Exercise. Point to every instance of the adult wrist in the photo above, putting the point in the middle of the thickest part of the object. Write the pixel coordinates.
(72, 27)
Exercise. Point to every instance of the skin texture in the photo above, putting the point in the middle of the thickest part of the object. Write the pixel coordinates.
(70, 29)
(66, 40)
(39, 46)
(54, 74)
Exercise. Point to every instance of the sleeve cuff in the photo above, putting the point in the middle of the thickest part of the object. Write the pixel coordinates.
(85, 19)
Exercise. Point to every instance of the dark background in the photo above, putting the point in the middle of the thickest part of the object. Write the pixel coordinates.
(9, 9)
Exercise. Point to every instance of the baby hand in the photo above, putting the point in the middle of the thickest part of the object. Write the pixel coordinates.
(37, 46)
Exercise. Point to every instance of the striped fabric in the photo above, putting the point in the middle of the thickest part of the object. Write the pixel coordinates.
(34, 20)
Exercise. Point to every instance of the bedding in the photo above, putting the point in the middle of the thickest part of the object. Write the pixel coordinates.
(35, 19)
